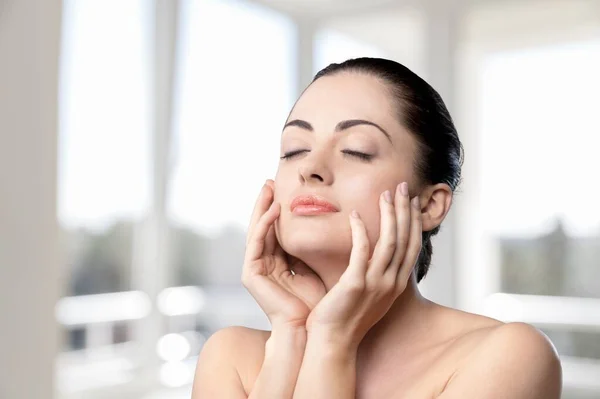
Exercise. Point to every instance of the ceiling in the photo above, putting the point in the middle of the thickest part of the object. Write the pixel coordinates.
(327, 8)
(322, 9)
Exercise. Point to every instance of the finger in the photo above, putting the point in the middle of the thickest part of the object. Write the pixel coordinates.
(271, 240)
(278, 251)
(359, 255)
(386, 244)
(271, 243)
(265, 197)
(403, 224)
(256, 242)
(414, 245)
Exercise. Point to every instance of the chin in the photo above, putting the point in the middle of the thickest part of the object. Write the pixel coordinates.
(310, 237)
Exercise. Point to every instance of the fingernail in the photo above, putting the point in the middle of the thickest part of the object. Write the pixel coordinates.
(404, 188)
(354, 214)
(387, 196)
(415, 202)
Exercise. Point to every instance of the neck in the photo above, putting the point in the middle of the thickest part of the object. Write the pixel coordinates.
(404, 325)
(404, 333)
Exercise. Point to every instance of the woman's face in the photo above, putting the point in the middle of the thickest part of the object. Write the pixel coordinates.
(343, 144)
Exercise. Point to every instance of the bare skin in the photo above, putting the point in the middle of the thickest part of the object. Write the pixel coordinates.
(349, 321)
(460, 343)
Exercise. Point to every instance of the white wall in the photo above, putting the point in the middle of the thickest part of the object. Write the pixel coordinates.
(29, 262)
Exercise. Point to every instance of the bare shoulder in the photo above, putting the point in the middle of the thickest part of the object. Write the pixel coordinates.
(237, 337)
(517, 340)
(512, 360)
(228, 360)
(522, 335)
(520, 342)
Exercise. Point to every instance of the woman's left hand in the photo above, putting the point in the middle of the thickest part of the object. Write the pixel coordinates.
(368, 287)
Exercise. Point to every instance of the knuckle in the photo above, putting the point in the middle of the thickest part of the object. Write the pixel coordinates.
(355, 286)
(390, 245)
(362, 247)
(379, 285)
(395, 262)
(404, 245)
(403, 242)
(400, 286)
(373, 284)
(388, 286)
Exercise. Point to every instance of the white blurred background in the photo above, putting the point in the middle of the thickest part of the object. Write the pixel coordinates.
(135, 135)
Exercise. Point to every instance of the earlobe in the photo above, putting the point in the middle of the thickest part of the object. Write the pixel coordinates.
(436, 201)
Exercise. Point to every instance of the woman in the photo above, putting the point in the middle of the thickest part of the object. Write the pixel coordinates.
(336, 246)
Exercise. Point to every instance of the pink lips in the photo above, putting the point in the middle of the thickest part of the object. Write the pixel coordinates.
(307, 205)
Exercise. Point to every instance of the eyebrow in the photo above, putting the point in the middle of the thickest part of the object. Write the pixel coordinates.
(343, 125)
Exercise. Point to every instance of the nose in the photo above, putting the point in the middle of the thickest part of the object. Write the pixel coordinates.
(314, 168)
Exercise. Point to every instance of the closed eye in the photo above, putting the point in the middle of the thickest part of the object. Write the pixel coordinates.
(361, 155)
(291, 154)
(357, 154)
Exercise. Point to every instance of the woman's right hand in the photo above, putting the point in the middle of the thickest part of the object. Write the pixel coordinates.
(287, 298)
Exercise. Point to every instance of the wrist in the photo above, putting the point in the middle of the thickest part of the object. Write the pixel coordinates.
(332, 342)
(286, 339)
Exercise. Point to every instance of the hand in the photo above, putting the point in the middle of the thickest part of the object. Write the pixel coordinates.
(286, 298)
(368, 287)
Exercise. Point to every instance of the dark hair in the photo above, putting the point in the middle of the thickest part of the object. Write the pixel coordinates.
(422, 110)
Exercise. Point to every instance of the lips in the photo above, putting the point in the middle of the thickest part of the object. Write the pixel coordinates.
(311, 205)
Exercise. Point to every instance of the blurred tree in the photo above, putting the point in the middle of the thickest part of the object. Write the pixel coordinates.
(188, 256)
(560, 265)
(100, 261)
(536, 265)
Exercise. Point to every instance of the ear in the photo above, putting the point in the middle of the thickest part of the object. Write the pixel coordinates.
(435, 204)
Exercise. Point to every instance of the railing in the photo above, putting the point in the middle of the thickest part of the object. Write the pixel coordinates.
(557, 313)
(104, 365)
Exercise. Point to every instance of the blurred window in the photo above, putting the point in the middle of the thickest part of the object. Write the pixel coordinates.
(236, 85)
(538, 169)
(104, 154)
(103, 185)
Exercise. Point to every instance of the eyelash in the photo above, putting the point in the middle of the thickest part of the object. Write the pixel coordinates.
(291, 154)
(361, 155)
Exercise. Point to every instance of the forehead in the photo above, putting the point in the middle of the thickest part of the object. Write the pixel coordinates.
(345, 95)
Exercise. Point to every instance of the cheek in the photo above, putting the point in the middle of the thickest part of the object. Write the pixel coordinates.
(365, 199)
(371, 217)
(284, 184)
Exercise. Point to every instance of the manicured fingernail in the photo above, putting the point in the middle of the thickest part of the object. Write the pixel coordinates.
(387, 196)
(415, 202)
(404, 188)
(354, 214)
